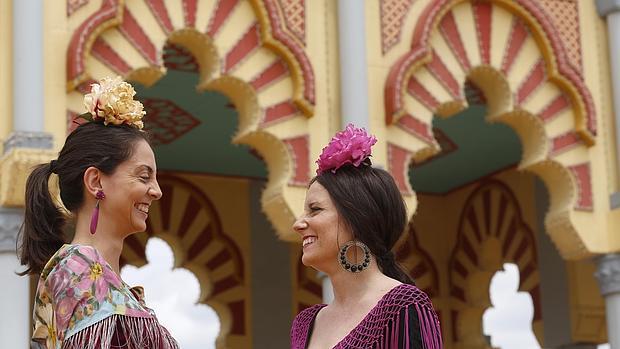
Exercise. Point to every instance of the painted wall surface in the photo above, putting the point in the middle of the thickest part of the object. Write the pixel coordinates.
(437, 224)
(231, 199)
(278, 63)
(288, 120)
(267, 277)
(271, 279)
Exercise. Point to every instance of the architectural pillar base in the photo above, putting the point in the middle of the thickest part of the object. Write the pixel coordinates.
(608, 275)
(11, 220)
(21, 139)
(605, 7)
(15, 298)
(328, 289)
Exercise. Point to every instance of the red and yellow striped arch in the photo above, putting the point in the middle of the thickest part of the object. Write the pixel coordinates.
(513, 54)
(491, 232)
(188, 221)
(244, 49)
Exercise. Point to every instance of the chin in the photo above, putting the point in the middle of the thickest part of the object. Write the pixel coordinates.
(306, 259)
(310, 260)
(139, 227)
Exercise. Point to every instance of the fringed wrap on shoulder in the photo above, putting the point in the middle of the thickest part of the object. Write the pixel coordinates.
(404, 318)
(120, 331)
(82, 303)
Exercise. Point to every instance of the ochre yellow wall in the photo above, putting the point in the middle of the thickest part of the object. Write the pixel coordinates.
(230, 197)
(436, 223)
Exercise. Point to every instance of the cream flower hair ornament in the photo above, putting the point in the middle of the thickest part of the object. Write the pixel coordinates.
(111, 100)
(349, 146)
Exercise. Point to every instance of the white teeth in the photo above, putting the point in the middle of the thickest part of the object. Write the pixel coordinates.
(308, 240)
(143, 208)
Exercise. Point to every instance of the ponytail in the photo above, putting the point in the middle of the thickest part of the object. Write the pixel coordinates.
(41, 235)
(90, 144)
(388, 266)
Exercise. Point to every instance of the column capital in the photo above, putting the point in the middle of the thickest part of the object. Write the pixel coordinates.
(605, 7)
(11, 220)
(608, 273)
(23, 139)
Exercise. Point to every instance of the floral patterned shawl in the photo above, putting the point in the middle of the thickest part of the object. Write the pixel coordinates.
(82, 303)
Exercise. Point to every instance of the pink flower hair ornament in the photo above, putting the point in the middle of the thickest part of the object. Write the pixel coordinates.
(349, 146)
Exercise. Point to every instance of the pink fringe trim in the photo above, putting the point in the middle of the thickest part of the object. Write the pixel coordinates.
(429, 328)
(118, 331)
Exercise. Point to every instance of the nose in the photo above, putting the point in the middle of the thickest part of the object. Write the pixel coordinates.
(155, 191)
(300, 225)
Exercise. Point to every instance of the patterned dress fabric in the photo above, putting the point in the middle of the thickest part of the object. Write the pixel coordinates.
(404, 318)
(82, 303)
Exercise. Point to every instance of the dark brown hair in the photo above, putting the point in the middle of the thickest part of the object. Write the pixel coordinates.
(90, 144)
(372, 207)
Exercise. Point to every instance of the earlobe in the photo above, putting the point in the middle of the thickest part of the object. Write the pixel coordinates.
(92, 180)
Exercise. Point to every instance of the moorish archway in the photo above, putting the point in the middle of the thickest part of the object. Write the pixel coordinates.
(528, 83)
(491, 232)
(252, 51)
(188, 221)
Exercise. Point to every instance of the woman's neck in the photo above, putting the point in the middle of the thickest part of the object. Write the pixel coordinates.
(351, 289)
(107, 243)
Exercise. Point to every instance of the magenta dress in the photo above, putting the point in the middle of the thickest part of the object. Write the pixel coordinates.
(404, 318)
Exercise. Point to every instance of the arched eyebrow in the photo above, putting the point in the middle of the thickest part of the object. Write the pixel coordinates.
(148, 169)
(314, 203)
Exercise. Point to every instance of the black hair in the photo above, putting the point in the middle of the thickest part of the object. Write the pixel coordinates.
(90, 144)
(369, 201)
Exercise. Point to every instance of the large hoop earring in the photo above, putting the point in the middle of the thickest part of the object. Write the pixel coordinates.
(354, 267)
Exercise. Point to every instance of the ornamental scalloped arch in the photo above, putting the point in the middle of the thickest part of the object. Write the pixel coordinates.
(529, 84)
(187, 220)
(244, 49)
(491, 232)
(418, 263)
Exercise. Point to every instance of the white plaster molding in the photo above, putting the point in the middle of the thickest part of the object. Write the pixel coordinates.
(605, 7)
(11, 220)
(22, 139)
(608, 273)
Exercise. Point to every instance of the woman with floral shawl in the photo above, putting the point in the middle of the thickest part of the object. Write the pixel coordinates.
(107, 178)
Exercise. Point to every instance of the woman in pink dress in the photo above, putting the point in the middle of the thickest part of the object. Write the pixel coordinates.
(353, 216)
(107, 178)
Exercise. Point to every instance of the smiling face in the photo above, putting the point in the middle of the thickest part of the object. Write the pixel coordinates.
(130, 190)
(322, 229)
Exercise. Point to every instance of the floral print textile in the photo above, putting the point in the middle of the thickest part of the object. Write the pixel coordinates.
(78, 289)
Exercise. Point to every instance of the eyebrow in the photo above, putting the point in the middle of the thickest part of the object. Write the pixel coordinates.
(147, 168)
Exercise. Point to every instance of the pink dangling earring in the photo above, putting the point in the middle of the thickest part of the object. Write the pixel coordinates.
(94, 219)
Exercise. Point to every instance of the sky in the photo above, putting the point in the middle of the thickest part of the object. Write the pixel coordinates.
(173, 294)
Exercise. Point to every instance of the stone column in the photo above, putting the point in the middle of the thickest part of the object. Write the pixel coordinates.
(608, 275)
(353, 66)
(610, 10)
(328, 290)
(15, 300)
(28, 132)
(28, 79)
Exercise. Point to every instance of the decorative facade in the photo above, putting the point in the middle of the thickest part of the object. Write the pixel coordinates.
(493, 116)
